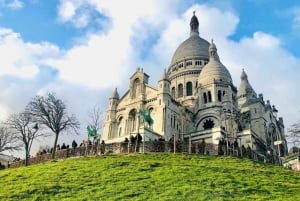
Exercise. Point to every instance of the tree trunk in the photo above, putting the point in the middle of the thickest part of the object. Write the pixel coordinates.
(26, 155)
(54, 146)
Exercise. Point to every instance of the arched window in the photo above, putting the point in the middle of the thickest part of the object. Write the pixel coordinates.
(135, 88)
(209, 96)
(204, 97)
(120, 126)
(219, 95)
(189, 89)
(180, 90)
(173, 92)
(132, 120)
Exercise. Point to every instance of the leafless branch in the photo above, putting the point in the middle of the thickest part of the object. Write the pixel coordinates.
(51, 112)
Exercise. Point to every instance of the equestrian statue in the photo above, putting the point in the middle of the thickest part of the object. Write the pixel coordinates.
(146, 117)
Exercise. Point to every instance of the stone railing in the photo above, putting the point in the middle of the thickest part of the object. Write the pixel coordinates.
(142, 147)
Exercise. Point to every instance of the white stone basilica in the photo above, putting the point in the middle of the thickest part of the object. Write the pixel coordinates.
(196, 99)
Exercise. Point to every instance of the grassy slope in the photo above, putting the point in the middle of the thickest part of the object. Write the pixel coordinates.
(150, 177)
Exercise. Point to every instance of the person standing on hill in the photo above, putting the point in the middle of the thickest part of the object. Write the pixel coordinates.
(74, 144)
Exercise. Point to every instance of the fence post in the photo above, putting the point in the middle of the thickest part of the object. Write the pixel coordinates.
(190, 144)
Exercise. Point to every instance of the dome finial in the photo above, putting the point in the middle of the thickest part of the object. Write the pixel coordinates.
(244, 75)
(194, 24)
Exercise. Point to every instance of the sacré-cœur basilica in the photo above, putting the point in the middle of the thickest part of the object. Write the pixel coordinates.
(195, 99)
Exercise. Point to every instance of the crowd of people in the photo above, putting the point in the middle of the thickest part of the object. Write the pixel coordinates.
(74, 144)
(132, 144)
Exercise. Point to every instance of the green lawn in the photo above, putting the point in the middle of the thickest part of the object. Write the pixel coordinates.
(150, 177)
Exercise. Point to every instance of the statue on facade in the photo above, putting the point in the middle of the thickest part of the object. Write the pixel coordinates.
(92, 132)
(146, 117)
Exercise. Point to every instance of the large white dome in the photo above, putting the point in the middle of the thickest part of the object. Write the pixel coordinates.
(194, 47)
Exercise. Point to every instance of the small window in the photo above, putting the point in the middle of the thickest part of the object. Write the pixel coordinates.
(198, 63)
(189, 63)
(173, 92)
(204, 98)
(174, 123)
(219, 95)
(209, 96)
(180, 90)
(189, 89)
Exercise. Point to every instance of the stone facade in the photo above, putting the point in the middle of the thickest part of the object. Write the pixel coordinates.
(195, 99)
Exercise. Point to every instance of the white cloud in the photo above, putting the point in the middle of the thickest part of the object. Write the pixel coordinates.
(111, 52)
(271, 70)
(78, 13)
(22, 63)
(15, 4)
(11, 4)
(21, 59)
(66, 10)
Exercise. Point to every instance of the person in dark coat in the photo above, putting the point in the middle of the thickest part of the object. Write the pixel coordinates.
(74, 144)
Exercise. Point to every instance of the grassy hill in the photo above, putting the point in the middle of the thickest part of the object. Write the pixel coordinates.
(150, 177)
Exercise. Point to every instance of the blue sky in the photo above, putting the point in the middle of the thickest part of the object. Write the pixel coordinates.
(83, 49)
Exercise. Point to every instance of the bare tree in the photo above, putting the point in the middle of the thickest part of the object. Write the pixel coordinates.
(96, 118)
(8, 141)
(25, 130)
(51, 112)
(293, 135)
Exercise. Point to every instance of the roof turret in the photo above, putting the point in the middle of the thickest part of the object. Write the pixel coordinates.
(194, 24)
(115, 94)
(245, 89)
(164, 76)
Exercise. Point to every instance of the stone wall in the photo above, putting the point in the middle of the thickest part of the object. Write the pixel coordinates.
(142, 147)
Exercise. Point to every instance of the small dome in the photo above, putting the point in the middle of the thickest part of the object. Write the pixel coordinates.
(115, 94)
(214, 70)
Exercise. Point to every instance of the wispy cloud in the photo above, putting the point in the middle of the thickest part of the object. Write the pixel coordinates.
(11, 4)
(296, 18)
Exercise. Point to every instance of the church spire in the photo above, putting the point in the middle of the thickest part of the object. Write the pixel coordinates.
(213, 54)
(194, 24)
(115, 94)
(245, 89)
